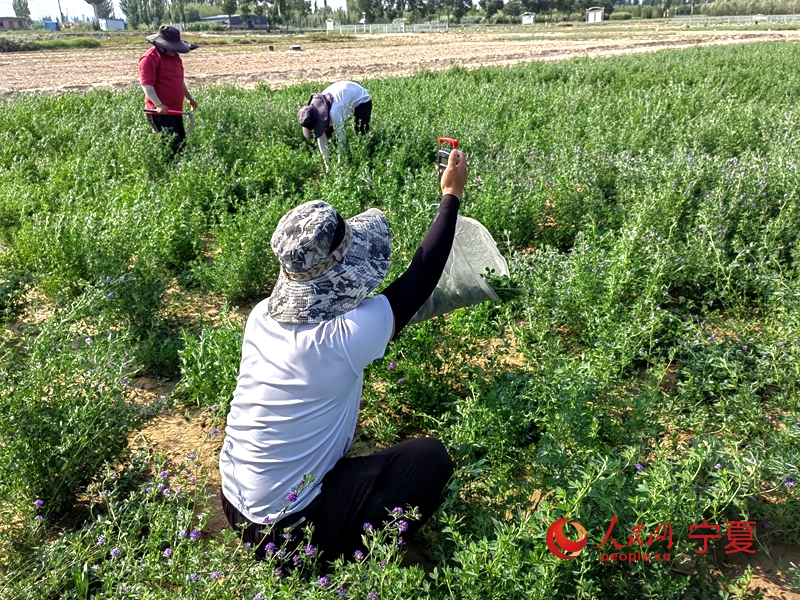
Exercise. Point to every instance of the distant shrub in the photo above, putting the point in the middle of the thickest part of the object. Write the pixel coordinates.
(620, 16)
(205, 26)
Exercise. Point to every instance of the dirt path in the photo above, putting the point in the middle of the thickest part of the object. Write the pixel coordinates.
(357, 58)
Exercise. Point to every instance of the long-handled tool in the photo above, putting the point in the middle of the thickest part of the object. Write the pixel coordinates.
(176, 113)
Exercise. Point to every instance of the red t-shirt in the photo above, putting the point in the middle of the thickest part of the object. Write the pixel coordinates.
(165, 74)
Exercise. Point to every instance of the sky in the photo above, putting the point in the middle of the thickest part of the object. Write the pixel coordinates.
(43, 8)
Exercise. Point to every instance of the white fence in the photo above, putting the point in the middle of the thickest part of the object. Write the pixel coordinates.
(389, 28)
(737, 20)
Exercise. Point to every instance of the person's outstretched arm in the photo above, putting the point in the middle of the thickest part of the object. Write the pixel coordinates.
(409, 292)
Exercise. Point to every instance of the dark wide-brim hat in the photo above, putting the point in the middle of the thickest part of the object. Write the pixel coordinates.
(314, 117)
(169, 38)
(328, 264)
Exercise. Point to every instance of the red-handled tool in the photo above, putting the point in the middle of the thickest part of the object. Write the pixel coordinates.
(176, 113)
(444, 153)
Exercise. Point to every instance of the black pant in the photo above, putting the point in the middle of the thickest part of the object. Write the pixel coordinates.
(172, 125)
(362, 114)
(361, 490)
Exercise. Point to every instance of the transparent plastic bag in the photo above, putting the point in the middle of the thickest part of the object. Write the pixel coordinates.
(474, 251)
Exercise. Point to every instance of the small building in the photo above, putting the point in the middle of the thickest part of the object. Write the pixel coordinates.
(13, 23)
(236, 21)
(528, 18)
(51, 25)
(595, 14)
(112, 24)
(329, 24)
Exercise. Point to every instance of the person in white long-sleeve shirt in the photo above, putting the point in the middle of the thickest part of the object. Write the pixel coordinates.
(328, 111)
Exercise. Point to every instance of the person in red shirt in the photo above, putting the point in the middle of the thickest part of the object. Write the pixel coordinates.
(161, 76)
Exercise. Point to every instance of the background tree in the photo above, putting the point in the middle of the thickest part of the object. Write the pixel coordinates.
(245, 10)
(229, 8)
(491, 7)
(21, 9)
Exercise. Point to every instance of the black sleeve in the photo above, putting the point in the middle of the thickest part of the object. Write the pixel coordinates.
(408, 293)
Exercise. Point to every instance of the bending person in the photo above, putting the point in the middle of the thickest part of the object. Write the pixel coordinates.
(328, 111)
(296, 402)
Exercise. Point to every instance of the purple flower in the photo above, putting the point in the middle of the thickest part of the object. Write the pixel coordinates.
(752, 460)
(310, 550)
(163, 475)
(789, 482)
(401, 381)
(214, 431)
(402, 526)
(39, 518)
(267, 521)
(101, 540)
(124, 380)
(38, 502)
(269, 548)
(278, 573)
(248, 545)
(192, 456)
(181, 535)
(342, 592)
(358, 555)
(718, 466)
(195, 534)
(258, 596)
(192, 480)
(214, 407)
(291, 496)
(323, 581)
(287, 536)
(392, 366)
(397, 511)
(296, 560)
(639, 467)
(215, 574)
(373, 595)
(194, 577)
(167, 553)
(383, 564)
(166, 492)
(115, 552)
(368, 527)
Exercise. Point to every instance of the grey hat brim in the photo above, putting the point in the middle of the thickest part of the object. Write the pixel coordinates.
(179, 47)
(346, 284)
(321, 123)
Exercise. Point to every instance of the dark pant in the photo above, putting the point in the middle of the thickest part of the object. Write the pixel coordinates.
(361, 490)
(171, 125)
(361, 115)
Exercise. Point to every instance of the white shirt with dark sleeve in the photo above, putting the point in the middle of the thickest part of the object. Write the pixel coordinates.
(296, 402)
(346, 96)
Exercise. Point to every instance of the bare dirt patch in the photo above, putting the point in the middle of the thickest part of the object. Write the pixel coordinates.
(364, 57)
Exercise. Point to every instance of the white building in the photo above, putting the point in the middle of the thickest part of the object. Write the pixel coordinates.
(595, 14)
(112, 24)
(528, 18)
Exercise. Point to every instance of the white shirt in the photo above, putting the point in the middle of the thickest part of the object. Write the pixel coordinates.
(296, 403)
(346, 96)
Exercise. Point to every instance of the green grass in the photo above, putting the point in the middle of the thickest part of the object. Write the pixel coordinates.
(648, 207)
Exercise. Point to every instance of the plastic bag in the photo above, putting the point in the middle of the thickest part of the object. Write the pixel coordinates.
(474, 251)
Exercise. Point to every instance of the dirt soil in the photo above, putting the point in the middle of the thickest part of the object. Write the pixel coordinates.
(351, 58)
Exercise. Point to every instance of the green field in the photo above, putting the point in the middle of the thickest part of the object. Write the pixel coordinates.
(647, 367)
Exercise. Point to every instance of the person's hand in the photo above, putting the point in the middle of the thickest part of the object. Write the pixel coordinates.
(454, 177)
(192, 103)
(161, 109)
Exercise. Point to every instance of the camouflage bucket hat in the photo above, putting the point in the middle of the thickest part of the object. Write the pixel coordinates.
(328, 264)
